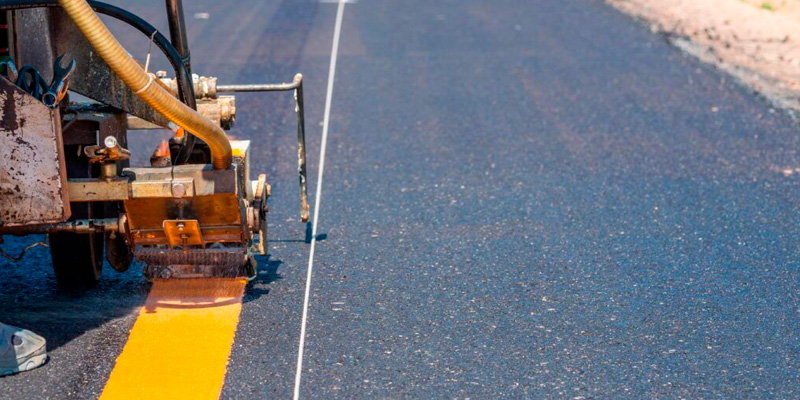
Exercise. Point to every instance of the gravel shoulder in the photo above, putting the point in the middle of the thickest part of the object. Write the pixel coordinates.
(756, 42)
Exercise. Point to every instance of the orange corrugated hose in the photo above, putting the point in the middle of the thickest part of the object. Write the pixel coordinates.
(142, 83)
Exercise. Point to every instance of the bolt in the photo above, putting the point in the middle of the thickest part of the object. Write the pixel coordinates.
(110, 141)
(178, 190)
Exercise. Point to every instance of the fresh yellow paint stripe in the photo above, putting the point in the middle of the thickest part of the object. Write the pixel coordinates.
(180, 344)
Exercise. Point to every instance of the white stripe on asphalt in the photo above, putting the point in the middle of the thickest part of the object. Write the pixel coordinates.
(325, 119)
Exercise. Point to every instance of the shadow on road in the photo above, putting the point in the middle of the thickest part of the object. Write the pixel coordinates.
(29, 298)
(267, 273)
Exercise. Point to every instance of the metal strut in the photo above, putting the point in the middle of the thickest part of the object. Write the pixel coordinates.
(177, 33)
(297, 87)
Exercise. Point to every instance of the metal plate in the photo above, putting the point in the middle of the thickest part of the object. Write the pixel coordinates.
(194, 180)
(97, 190)
(182, 232)
(33, 176)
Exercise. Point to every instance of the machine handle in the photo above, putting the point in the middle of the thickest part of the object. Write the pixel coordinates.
(297, 87)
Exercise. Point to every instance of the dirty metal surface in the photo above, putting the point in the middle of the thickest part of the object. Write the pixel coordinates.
(192, 179)
(32, 178)
(82, 190)
(213, 197)
(52, 29)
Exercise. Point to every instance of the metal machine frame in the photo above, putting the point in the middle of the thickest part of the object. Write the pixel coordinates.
(182, 219)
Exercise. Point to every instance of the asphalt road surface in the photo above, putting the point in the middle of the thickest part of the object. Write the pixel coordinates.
(521, 199)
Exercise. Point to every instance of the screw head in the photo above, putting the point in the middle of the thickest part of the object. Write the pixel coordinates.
(110, 141)
(178, 190)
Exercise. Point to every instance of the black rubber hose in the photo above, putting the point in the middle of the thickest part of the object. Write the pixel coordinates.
(184, 78)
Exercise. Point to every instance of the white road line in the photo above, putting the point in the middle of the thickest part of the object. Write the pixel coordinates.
(325, 119)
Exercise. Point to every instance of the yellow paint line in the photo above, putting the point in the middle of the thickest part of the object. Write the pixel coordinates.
(180, 344)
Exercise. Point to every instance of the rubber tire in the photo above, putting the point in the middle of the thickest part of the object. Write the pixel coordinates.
(77, 259)
(118, 253)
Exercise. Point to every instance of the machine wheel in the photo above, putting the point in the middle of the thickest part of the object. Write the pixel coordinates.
(77, 259)
(118, 253)
(261, 208)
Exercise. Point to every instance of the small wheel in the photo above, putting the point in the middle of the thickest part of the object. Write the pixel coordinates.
(261, 208)
(118, 253)
(263, 236)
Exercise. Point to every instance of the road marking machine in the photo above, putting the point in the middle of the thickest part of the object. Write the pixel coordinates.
(196, 211)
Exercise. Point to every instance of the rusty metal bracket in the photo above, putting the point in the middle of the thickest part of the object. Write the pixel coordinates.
(111, 152)
(107, 157)
(183, 232)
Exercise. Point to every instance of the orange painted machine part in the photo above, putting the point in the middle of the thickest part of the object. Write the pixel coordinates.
(163, 150)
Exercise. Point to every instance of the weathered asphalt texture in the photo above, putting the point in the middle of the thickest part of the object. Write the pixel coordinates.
(522, 199)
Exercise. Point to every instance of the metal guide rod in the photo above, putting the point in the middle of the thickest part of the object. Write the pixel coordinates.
(84, 226)
(177, 33)
(297, 86)
(177, 30)
(259, 87)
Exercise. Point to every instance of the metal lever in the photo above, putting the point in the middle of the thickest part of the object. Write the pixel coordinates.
(107, 156)
(112, 152)
(297, 87)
